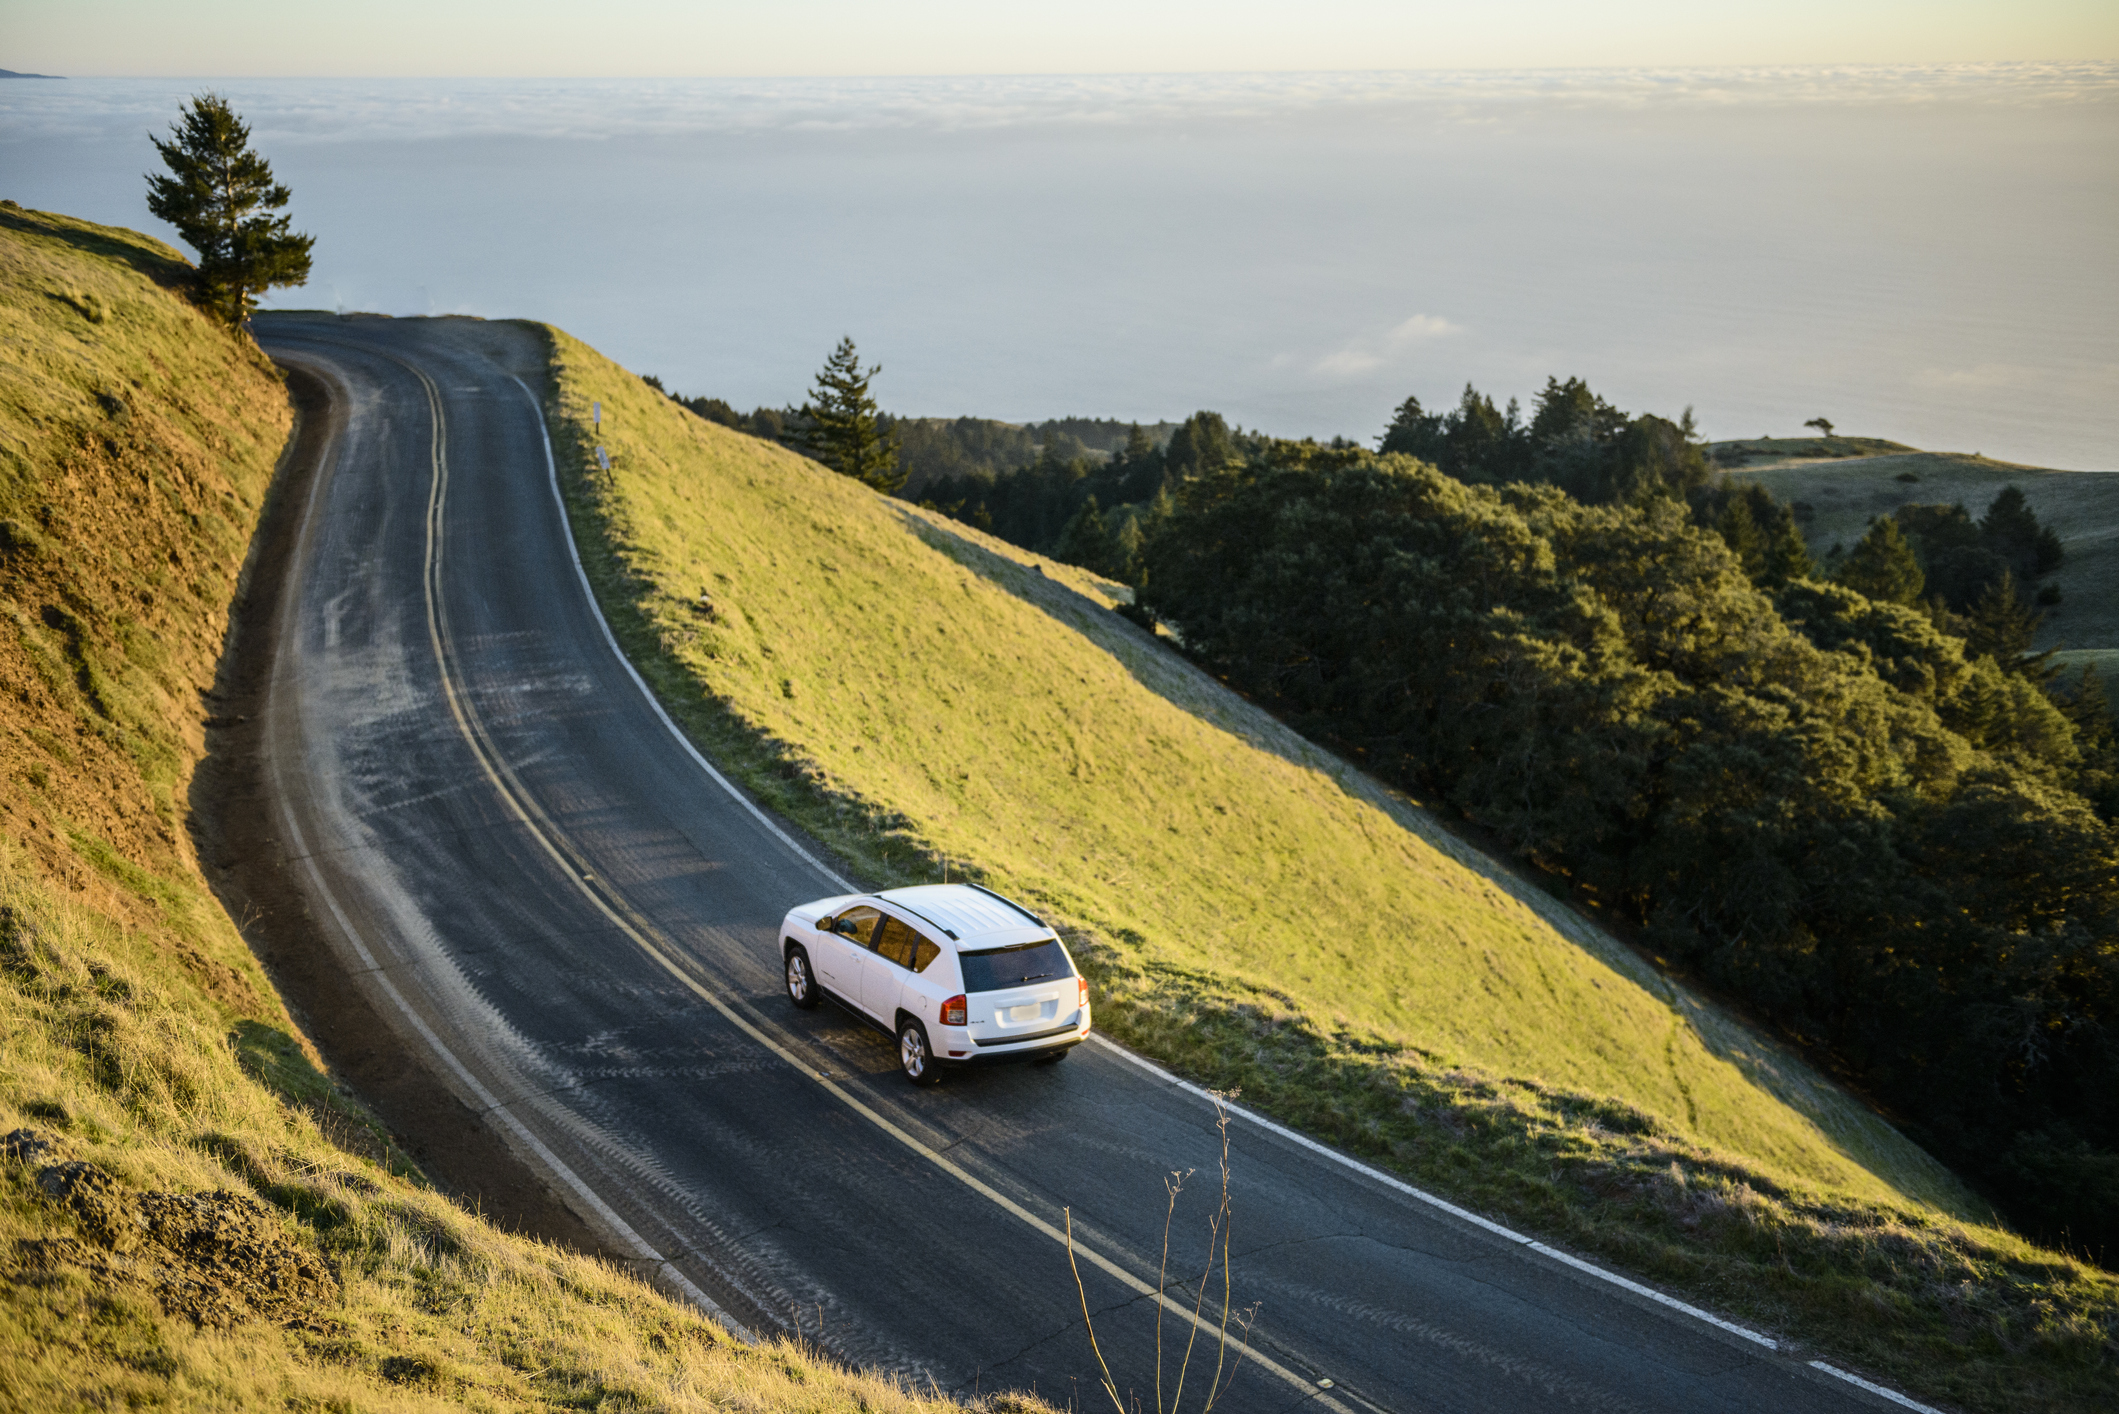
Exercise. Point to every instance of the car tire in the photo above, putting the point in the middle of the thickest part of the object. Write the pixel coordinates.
(915, 1056)
(1053, 1057)
(801, 979)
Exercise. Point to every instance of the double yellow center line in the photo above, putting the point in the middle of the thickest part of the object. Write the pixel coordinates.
(573, 863)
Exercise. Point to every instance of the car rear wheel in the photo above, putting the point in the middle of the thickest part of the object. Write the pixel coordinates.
(918, 1061)
(801, 982)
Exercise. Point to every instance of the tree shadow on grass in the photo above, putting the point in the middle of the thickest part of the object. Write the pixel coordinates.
(158, 262)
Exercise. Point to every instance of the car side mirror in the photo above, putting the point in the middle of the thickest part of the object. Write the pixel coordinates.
(827, 924)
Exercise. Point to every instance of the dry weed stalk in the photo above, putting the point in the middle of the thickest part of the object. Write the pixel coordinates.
(1217, 1255)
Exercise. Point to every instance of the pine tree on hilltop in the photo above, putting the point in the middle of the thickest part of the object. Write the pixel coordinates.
(845, 432)
(218, 195)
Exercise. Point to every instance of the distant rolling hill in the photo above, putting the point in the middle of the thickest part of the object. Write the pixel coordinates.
(1839, 484)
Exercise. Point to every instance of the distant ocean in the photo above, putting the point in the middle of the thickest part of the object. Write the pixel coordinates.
(1925, 254)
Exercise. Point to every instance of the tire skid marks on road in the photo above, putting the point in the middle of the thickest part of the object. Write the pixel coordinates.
(403, 937)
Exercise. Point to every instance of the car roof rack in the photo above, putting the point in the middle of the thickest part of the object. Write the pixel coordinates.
(924, 918)
(1003, 898)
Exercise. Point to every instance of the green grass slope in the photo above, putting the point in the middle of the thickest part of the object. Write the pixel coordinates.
(192, 1214)
(1844, 493)
(1265, 918)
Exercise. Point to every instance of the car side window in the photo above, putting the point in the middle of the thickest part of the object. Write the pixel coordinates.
(897, 941)
(859, 924)
(924, 953)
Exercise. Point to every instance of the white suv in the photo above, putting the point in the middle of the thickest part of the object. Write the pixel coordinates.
(958, 973)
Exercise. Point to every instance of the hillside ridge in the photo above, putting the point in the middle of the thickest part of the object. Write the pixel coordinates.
(988, 713)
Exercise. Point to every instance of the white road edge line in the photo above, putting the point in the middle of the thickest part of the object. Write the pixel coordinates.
(1878, 1390)
(1444, 1204)
(733, 1010)
(493, 1105)
(1650, 1293)
(574, 553)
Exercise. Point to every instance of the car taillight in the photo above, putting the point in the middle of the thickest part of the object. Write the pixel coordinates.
(1083, 983)
(953, 1011)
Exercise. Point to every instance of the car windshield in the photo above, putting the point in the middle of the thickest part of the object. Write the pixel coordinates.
(1014, 967)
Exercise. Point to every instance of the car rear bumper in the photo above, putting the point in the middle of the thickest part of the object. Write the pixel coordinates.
(1020, 1053)
(1044, 1043)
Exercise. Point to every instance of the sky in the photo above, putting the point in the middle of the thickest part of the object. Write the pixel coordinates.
(741, 38)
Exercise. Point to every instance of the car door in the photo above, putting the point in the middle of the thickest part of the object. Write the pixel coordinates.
(885, 968)
(840, 951)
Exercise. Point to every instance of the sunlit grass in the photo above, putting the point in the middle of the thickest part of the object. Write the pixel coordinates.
(137, 1032)
(918, 695)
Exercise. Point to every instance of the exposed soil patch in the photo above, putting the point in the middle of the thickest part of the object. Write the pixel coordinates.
(242, 856)
(217, 1258)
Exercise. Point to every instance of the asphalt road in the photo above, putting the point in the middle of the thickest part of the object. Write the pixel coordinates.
(572, 921)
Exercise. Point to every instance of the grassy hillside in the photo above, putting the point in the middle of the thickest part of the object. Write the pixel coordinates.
(1763, 451)
(191, 1213)
(1264, 917)
(1843, 494)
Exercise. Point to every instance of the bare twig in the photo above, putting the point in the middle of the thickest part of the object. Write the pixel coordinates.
(1173, 1185)
(1218, 1251)
(1110, 1385)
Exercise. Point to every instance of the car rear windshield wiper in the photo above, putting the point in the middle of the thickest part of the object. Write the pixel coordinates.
(1039, 976)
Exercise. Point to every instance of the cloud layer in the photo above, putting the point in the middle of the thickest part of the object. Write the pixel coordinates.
(350, 109)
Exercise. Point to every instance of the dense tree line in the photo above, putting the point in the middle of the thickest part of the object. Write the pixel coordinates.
(1896, 847)
(959, 459)
(1574, 440)
(1089, 510)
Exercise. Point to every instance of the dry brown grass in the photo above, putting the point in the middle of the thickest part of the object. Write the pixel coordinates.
(1844, 495)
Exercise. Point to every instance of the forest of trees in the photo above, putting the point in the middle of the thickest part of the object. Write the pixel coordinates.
(964, 455)
(1872, 813)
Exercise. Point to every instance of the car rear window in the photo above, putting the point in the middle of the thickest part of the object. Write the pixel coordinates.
(1002, 968)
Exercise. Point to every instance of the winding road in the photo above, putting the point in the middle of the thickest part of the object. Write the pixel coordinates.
(570, 920)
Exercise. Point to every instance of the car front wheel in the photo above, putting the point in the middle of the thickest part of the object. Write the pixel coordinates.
(918, 1061)
(801, 983)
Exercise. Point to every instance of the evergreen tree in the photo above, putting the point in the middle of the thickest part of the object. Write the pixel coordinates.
(2010, 529)
(1788, 557)
(1086, 540)
(2096, 736)
(1882, 565)
(2001, 626)
(1739, 531)
(846, 432)
(1414, 432)
(1480, 442)
(1200, 444)
(219, 195)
